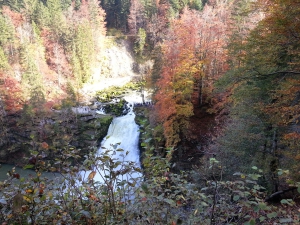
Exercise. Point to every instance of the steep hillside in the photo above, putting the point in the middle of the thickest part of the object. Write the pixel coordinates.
(219, 141)
(48, 67)
(46, 49)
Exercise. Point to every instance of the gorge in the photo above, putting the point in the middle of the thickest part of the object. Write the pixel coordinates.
(87, 124)
(218, 135)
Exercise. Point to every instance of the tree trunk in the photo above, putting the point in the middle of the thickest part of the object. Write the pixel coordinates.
(200, 94)
(275, 162)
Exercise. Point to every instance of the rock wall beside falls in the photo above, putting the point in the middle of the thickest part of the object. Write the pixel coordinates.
(57, 130)
(116, 66)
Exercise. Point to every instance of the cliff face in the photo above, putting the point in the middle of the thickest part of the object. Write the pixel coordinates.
(115, 67)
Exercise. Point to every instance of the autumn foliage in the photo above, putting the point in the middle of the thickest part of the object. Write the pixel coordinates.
(264, 84)
(38, 49)
(194, 57)
(181, 69)
(11, 91)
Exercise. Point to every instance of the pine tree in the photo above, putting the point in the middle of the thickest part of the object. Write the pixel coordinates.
(15, 5)
(56, 20)
(3, 60)
(7, 31)
(117, 12)
(41, 15)
(83, 49)
(140, 42)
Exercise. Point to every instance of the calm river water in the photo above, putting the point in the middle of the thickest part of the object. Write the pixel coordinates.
(23, 173)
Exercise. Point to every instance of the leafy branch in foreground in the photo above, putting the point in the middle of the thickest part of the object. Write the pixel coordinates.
(107, 189)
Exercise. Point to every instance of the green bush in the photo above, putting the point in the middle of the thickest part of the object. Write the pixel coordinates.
(125, 198)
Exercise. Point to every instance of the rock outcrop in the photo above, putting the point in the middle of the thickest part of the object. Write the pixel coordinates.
(51, 133)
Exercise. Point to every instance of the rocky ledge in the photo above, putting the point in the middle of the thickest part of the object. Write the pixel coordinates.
(50, 133)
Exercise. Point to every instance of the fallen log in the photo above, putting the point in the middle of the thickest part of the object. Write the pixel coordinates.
(277, 196)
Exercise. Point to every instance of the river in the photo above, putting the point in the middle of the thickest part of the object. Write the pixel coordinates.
(5, 168)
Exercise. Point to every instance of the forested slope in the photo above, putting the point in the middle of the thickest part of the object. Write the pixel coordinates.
(48, 46)
(238, 62)
(49, 50)
(221, 142)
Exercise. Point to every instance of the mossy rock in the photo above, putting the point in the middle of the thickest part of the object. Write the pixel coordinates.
(116, 109)
(102, 123)
(113, 92)
(95, 130)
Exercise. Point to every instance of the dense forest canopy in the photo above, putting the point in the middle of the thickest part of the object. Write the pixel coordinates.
(226, 100)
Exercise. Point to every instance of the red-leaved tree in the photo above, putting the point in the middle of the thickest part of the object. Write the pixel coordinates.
(194, 58)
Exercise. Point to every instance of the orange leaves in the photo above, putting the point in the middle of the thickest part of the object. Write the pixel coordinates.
(165, 105)
(45, 145)
(12, 92)
(292, 136)
(292, 152)
(29, 191)
(181, 67)
(297, 157)
(16, 18)
(180, 70)
(41, 190)
(293, 141)
(92, 175)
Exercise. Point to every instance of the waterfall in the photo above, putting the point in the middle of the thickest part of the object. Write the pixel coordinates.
(123, 131)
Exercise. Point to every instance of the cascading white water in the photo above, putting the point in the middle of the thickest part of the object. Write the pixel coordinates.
(123, 131)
